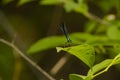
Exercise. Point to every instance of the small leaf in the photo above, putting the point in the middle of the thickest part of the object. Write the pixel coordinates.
(59, 49)
(21, 2)
(83, 52)
(75, 77)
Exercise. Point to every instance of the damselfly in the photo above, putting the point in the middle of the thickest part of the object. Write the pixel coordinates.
(64, 30)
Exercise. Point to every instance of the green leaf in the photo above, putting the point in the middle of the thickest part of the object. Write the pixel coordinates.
(59, 49)
(47, 43)
(100, 66)
(76, 77)
(52, 42)
(83, 52)
(21, 2)
(95, 40)
(113, 33)
(106, 64)
(88, 78)
(50, 2)
(78, 37)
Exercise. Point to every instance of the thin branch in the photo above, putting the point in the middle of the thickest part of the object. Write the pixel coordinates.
(27, 59)
(61, 62)
(97, 19)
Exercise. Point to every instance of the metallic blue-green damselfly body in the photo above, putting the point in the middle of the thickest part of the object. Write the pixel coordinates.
(64, 30)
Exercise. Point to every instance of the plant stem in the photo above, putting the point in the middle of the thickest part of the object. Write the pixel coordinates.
(97, 19)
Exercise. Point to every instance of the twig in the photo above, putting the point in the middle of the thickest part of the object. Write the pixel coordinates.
(27, 59)
(97, 19)
(62, 61)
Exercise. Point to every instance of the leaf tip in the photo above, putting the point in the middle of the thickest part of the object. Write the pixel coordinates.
(59, 49)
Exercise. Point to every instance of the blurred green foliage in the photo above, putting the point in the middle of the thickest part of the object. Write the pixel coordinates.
(100, 30)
